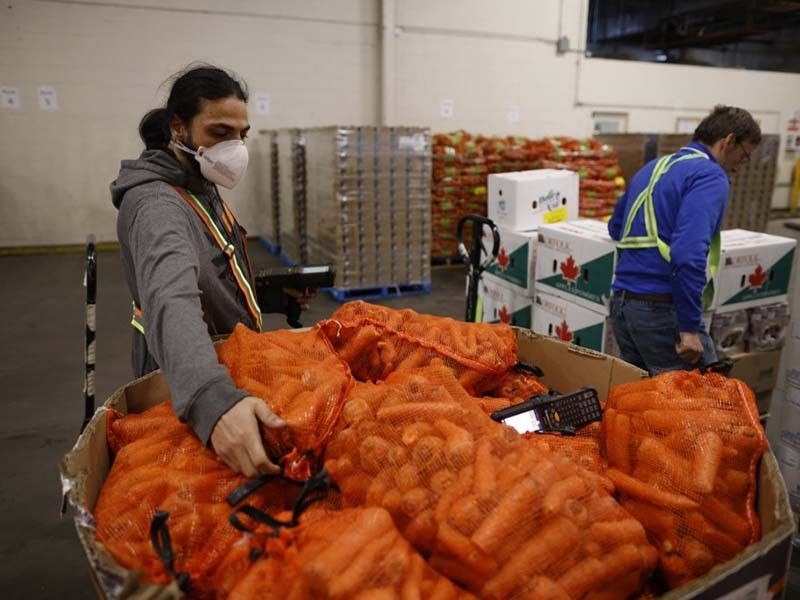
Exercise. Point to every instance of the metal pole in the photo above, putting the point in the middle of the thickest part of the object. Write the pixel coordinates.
(90, 283)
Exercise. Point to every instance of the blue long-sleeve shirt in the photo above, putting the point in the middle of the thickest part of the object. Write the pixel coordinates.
(689, 201)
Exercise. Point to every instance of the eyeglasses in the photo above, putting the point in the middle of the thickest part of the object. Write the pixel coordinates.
(746, 153)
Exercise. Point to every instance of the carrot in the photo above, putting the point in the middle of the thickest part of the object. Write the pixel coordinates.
(420, 411)
(452, 569)
(415, 501)
(354, 576)
(396, 561)
(465, 514)
(484, 468)
(580, 579)
(460, 486)
(413, 579)
(407, 477)
(373, 454)
(706, 461)
(554, 541)
(721, 515)
(393, 502)
(387, 351)
(384, 593)
(658, 522)
(354, 488)
(372, 524)
(490, 405)
(568, 488)
(443, 590)
(414, 431)
(459, 447)
(542, 588)
(377, 488)
(617, 533)
(365, 337)
(418, 358)
(618, 441)
(624, 587)
(667, 420)
(356, 410)
(738, 482)
(427, 452)
(463, 549)
(698, 557)
(511, 510)
(653, 457)
(675, 569)
(603, 508)
(469, 378)
(442, 480)
(706, 533)
(748, 440)
(643, 491)
(421, 530)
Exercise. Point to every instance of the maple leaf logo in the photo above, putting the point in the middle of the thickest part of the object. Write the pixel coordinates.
(570, 270)
(563, 332)
(502, 259)
(757, 278)
(505, 316)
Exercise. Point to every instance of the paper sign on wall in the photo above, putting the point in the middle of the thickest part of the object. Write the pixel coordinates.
(513, 114)
(263, 103)
(47, 98)
(446, 109)
(9, 98)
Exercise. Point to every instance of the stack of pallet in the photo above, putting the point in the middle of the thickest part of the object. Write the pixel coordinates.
(462, 162)
(358, 198)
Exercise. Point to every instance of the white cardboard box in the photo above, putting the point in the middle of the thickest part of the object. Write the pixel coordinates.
(516, 259)
(577, 259)
(526, 199)
(504, 302)
(755, 269)
(560, 317)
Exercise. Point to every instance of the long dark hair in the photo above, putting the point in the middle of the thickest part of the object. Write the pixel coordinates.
(188, 88)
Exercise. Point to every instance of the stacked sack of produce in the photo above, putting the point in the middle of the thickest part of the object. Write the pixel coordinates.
(462, 163)
(682, 451)
(422, 495)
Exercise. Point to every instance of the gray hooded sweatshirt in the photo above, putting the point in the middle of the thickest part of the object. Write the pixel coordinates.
(182, 282)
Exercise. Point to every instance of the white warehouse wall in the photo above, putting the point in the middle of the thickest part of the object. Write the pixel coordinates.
(323, 62)
(107, 60)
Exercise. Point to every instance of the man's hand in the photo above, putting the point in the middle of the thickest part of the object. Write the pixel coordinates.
(237, 440)
(690, 348)
(303, 297)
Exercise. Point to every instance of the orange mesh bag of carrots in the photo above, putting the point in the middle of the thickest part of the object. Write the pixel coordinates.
(682, 449)
(377, 341)
(165, 483)
(487, 510)
(354, 553)
(302, 380)
(584, 448)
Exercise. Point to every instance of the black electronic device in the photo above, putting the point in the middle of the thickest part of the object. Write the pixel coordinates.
(270, 284)
(553, 412)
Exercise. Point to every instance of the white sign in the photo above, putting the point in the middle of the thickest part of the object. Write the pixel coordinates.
(9, 98)
(447, 109)
(263, 102)
(47, 98)
(513, 114)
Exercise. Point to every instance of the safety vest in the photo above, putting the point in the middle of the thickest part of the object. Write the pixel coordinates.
(644, 201)
(226, 247)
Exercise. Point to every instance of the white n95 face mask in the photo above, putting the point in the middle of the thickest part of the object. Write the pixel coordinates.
(224, 163)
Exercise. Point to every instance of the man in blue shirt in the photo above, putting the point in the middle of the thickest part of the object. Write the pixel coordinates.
(667, 224)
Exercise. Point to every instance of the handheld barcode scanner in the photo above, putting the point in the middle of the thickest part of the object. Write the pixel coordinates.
(553, 412)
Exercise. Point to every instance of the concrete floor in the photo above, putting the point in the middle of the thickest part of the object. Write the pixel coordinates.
(41, 378)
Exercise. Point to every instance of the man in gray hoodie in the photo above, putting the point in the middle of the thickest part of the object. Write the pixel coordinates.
(185, 260)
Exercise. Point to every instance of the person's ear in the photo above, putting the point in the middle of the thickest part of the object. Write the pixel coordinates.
(730, 140)
(177, 128)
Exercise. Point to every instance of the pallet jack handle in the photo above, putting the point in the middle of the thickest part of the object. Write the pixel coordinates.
(473, 257)
(90, 283)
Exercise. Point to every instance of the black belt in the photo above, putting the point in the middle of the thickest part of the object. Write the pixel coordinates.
(623, 294)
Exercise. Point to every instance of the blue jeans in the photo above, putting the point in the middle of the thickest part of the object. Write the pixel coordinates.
(647, 332)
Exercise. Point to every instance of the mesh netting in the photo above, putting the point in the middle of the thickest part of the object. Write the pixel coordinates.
(161, 466)
(682, 450)
(474, 497)
(377, 341)
(301, 379)
(352, 553)
(583, 448)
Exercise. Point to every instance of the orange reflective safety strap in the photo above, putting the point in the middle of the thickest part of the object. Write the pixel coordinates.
(228, 249)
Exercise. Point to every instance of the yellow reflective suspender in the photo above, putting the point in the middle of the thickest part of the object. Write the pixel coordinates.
(644, 201)
(227, 248)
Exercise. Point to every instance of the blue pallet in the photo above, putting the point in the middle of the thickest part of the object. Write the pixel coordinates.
(286, 260)
(377, 292)
(269, 246)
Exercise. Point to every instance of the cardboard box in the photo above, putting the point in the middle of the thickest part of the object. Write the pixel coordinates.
(761, 565)
(759, 370)
(755, 269)
(503, 302)
(769, 326)
(577, 259)
(526, 199)
(559, 316)
(729, 331)
(516, 259)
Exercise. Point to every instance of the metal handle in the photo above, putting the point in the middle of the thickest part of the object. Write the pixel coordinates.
(473, 258)
(90, 283)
